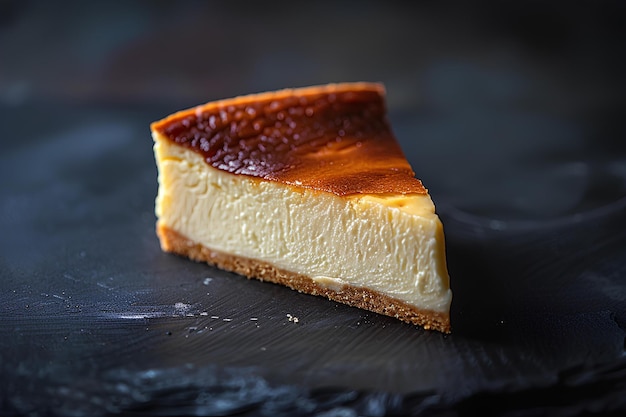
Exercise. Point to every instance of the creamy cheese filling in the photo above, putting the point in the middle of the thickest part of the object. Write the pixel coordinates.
(391, 244)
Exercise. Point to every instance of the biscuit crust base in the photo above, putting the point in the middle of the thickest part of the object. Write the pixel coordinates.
(364, 298)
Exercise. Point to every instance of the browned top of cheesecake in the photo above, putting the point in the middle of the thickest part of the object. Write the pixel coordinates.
(333, 138)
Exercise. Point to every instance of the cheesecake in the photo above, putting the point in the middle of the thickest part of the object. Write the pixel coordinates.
(306, 188)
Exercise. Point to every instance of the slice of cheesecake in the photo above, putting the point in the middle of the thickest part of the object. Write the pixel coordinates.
(307, 188)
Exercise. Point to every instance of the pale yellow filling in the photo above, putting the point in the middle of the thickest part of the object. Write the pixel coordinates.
(391, 244)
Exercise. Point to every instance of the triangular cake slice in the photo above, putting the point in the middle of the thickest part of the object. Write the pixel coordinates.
(307, 188)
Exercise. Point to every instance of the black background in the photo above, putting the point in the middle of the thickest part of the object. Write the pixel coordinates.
(512, 113)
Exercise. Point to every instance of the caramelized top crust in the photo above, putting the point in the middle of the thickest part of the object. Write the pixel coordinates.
(333, 138)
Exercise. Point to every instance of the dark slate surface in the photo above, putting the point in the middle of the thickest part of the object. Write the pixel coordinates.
(526, 163)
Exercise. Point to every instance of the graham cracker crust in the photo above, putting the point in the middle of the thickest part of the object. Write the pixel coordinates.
(172, 241)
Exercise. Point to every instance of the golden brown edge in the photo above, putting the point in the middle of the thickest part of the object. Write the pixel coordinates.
(172, 241)
(267, 96)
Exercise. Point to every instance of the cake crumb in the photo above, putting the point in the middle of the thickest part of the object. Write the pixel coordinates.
(293, 318)
(181, 308)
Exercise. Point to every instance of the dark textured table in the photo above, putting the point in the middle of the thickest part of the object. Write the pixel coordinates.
(526, 164)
